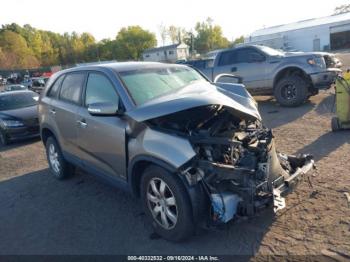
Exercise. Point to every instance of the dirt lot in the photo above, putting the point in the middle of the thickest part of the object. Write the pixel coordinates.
(83, 215)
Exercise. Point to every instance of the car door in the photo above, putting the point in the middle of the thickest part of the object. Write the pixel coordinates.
(248, 63)
(102, 138)
(65, 109)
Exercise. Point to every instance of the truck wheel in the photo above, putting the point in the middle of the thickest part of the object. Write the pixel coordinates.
(166, 203)
(291, 91)
(335, 124)
(59, 167)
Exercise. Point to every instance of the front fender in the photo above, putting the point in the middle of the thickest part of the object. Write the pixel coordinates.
(168, 148)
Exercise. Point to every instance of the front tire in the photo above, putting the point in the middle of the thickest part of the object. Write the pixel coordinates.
(59, 167)
(291, 91)
(167, 204)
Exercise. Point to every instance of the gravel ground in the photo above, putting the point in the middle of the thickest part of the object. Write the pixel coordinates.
(83, 215)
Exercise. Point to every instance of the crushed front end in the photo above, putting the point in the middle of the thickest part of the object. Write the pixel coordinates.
(236, 162)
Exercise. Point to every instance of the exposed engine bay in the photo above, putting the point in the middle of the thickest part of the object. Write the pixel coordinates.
(236, 162)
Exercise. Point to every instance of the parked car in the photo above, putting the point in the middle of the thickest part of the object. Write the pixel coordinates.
(18, 116)
(38, 84)
(193, 151)
(3, 81)
(27, 82)
(45, 79)
(291, 77)
(15, 88)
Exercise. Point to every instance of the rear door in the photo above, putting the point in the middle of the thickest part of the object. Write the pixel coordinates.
(65, 110)
(102, 138)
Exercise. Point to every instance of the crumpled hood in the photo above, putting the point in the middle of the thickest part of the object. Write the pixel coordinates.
(232, 96)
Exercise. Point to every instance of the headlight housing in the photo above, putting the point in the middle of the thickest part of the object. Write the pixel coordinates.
(317, 61)
(12, 123)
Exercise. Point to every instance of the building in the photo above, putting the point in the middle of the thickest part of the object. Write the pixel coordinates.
(318, 34)
(170, 53)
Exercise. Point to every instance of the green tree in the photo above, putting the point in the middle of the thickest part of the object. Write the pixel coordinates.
(132, 41)
(238, 40)
(14, 48)
(176, 34)
(106, 49)
(209, 37)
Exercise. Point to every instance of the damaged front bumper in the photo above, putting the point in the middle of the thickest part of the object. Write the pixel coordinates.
(288, 183)
(251, 185)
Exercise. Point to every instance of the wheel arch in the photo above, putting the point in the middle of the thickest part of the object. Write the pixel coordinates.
(45, 133)
(290, 71)
(195, 193)
(138, 165)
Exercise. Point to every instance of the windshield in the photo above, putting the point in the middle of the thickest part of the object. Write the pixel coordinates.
(14, 88)
(270, 51)
(148, 83)
(15, 101)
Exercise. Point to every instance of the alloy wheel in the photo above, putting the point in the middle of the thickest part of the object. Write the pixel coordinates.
(289, 91)
(53, 157)
(162, 203)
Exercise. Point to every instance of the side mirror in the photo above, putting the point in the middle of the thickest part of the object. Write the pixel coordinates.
(228, 78)
(103, 109)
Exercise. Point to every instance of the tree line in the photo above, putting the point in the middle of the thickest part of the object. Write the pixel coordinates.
(28, 47)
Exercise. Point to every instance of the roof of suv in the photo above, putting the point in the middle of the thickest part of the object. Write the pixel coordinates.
(125, 66)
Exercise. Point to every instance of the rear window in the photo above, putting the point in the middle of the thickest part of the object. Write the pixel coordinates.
(228, 58)
(53, 92)
(71, 87)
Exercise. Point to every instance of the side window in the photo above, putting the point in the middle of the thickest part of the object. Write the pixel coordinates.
(71, 87)
(53, 92)
(100, 90)
(228, 58)
(255, 56)
(249, 55)
(243, 56)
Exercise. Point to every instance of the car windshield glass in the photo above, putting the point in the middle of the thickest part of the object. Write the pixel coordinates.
(270, 51)
(9, 88)
(15, 101)
(148, 83)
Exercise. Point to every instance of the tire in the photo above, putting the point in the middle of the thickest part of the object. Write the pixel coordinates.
(291, 91)
(335, 124)
(180, 208)
(3, 139)
(59, 167)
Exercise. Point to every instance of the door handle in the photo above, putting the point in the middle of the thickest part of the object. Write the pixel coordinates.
(233, 69)
(82, 123)
(52, 111)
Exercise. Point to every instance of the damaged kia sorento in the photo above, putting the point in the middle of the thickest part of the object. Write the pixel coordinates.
(194, 152)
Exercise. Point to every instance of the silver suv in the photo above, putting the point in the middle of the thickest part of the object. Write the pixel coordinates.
(193, 151)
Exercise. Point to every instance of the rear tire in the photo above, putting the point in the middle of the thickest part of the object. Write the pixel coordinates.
(59, 167)
(291, 91)
(172, 204)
